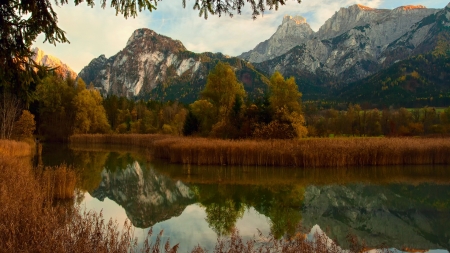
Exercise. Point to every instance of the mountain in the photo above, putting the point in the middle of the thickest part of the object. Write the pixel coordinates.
(61, 68)
(155, 66)
(292, 32)
(351, 44)
(354, 43)
(343, 61)
(417, 81)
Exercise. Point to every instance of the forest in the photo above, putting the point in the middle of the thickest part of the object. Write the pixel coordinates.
(63, 107)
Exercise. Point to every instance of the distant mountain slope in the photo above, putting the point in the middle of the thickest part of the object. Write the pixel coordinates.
(418, 81)
(50, 61)
(293, 31)
(385, 38)
(158, 67)
(379, 27)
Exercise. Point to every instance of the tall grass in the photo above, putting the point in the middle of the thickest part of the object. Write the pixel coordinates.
(31, 222)
(58, 182)
(336, 152)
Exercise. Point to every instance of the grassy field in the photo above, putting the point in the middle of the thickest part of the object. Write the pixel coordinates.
(320, 152)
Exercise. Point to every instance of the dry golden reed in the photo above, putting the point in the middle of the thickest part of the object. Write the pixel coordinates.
(31, 222)
(59, 182)
(335, 152)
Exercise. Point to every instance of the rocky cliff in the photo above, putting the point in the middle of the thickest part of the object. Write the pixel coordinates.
(292, 32)
(155, 66)
(355, 42)
(61, 68)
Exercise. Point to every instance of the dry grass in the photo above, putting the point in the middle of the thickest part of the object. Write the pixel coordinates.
(15, 149)
(31, 222)
(58, 182)
(338, 152)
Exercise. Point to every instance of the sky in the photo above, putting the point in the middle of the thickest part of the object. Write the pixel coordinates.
(96, 31)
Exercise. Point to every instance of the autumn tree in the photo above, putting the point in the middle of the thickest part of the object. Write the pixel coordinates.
(90, 115)
(287, 110)
(25, 126)
(56, 111)
(221, 101)
(204, 112)
(221, 89)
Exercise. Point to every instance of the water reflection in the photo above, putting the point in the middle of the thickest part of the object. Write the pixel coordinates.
(146, 196)
(398, 207)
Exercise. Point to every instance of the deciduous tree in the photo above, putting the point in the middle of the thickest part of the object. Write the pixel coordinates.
(25, 126)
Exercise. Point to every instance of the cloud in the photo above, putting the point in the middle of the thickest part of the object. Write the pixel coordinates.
(94, 31)
(91, 32)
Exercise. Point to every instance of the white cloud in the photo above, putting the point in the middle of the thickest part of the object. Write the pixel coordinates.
(91, 32)
(94, 31)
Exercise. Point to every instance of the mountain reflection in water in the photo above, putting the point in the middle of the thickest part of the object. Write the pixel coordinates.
(396, 207)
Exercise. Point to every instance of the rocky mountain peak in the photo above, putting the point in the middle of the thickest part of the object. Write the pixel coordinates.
(141, 34)
(293, 31)
(296, 19)
(361, 7)
(410, 7)
(41, 58)
(147, 38)
(348, 18)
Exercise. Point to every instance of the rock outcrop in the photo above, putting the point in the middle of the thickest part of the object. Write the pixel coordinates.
(60, 68)
(292, 32)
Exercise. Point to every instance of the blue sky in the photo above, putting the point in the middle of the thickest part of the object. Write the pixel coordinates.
(95, 31)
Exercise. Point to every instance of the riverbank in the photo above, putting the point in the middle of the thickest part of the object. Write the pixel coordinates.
(305, 153)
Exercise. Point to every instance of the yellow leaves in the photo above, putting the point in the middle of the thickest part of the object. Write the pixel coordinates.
(25, 125)
(415, 74)
(285, 101)
(298, 123)
(222, 88)
(90, 115)
(284, 93)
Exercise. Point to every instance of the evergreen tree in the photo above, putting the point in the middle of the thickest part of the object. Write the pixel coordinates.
(190, 124)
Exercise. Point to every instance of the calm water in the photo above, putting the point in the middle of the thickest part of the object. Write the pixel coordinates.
(398, 207)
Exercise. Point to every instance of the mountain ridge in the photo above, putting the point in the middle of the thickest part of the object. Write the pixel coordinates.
(62, 69)
(356, 42)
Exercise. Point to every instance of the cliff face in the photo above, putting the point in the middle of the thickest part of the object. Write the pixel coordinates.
(61, 68)
(158, 67)
(292, 32)
(140, 65)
